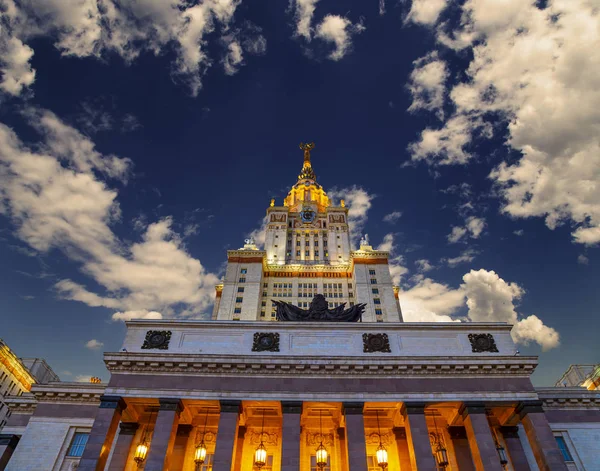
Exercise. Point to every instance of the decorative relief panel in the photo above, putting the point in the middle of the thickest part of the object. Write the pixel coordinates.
(267, 438)
(339, 218)
(314, 439)
(483, 343)
(376, 343)
(278, 217)
(373, 439)
(266, 342)
(158, 339)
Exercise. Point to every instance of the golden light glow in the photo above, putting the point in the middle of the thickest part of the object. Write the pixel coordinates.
(442, 457)
(321, 456)
(140, 453)
(382, 457)
(200, 454)
(12, 363)
(260, 456)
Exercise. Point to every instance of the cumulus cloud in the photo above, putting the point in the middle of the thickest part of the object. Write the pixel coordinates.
(94, 344)
(430, 301)
(491, 299)
(88, 28)
(582, 259)
(426, 11)
(334, 29)
(58, 197)
(426, 84)
(141, 314)
(473, 228)
(423, 265)
(465, 257)
(534, 71)
(339, 31)
(358, 202)
(392, 217)
(396, 261)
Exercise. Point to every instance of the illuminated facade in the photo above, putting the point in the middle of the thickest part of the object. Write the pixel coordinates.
(307, 250)
(242, 393)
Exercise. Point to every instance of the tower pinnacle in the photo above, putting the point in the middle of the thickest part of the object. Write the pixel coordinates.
(307, 171)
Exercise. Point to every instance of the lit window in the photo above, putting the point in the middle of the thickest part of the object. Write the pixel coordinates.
(316, 243)
(240, 289)
(262, 313)
(371, 272)
(78, 444)
(351, 294)
(306, 253)
(562, 445)
(316, 253)
(239, 300)
(376, 300)
(243, 271)
(208, 463)
(237, 310)
(349, 285)
(313, 464)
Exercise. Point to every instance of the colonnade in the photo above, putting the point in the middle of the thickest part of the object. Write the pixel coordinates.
(412, 434)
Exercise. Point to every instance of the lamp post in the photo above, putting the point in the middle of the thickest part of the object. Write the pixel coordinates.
(441, 455)
(260, 455)
(141, 451)
(200, 453)
(321, 454)
(500, 450)
(381, 454)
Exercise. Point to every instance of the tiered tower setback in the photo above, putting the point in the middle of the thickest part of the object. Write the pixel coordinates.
(307, 251)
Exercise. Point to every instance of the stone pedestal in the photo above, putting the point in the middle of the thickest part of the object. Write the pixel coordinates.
(226, 435)
(290, 436)
(163, 437)
(355, 436)
(120, 454)
(462, 453)
(417, 433)
(103, 432)
(8, 443)
(540, 436)
(481, 442)
(514, 448)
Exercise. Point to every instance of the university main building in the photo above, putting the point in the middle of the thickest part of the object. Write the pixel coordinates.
(306, 365)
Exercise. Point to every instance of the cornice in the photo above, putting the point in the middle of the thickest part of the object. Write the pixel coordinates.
(568, 398)
(72, 393)
(259, 365)
(24, 404)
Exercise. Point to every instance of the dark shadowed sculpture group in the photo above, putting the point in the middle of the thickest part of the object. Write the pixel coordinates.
(319, 311)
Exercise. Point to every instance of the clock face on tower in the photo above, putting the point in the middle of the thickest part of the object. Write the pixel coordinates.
(308, 215)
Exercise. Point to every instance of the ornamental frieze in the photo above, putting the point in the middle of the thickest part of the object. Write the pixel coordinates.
(376, 343)
(265, 342)
(373, 438)
(315, 439)
(483, 343)
(268, 438)
(157, 339)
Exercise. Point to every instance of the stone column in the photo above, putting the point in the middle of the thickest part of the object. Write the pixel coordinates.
(8, 443)
(180, 446)
(321, 248)
(226, 435)
(514, 448)
(462, 454)
(239, 448)
(417, 433)
(120, 454)
(355, 436)
(402, 447)
(163, 437)
(102, 434)
(290, 436)
(294, 248)
(481, 442)
(540, 436)
(302, 245)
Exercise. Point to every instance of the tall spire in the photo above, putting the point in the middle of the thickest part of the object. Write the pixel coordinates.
(307, 171)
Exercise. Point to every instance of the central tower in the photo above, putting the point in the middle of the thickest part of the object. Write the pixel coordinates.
(307, 251)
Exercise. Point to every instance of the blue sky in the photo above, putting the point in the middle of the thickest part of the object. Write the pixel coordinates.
(141, 140)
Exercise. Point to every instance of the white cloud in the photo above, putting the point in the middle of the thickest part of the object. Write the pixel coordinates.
(56, 200)
(473, 228)
(392, 217)
(259, 234)
(339, 31)
(358, 202)
(426, 84)
(424, 265)
(426, 11)
(82, 378)
(88, 28)
(382, 7)
(583, 260)
(94, 344)
(491, 299)
(465, 257)
(395, 260)
(519, 232)
(537, 70)
(141, 314)
(305, 9)
(429, 301)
